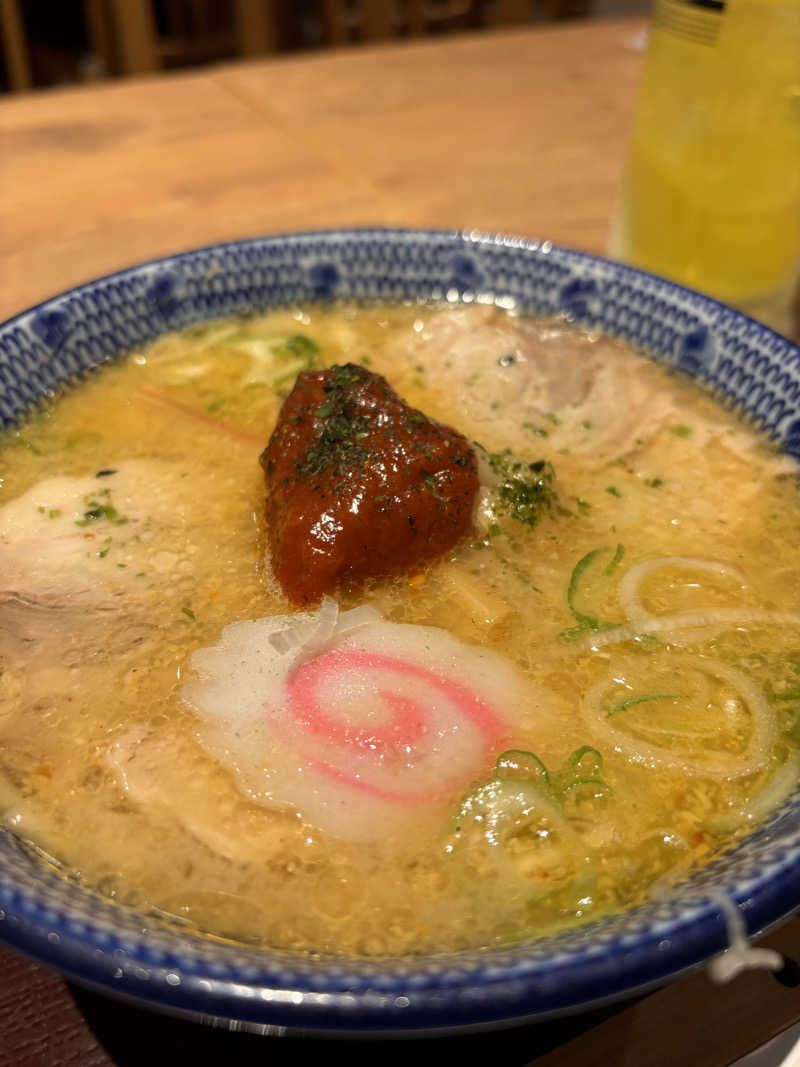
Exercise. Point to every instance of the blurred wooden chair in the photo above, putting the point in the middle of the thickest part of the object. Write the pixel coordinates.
(346, 21)
(16, 57)
(143, 36)
(132, 37)
(373, 20)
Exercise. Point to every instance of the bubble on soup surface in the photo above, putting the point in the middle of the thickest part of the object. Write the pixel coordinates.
(362, 735)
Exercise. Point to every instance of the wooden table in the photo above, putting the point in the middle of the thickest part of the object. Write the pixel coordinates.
(522, 132)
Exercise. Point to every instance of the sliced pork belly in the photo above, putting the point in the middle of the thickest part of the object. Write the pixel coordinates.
(572, 392)
(162, 770)
(68, 541)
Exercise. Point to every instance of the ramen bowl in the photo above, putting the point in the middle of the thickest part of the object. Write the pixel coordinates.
(134, 955)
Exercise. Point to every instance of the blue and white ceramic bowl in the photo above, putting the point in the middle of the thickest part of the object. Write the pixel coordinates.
(93, 940)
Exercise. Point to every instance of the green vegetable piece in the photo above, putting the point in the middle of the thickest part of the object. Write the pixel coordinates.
(614, 709)
(681, 431)
(595, 788)
(526, 491)
(517, 763)
(588, 622)
(581, 797)
(538, 430)
(586, 760)
(101, 508)
(616, 560)
(790, 694)
(303, 346)
(431, 486)
(585, 620)
(581, 777)
(18, 439)
(793, 733)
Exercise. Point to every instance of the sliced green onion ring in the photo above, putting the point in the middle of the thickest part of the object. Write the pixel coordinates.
(718, 765)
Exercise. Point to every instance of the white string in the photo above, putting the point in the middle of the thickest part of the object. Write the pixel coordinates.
(740, 955)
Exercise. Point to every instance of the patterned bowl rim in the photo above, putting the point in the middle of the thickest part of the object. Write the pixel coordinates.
(136, 957)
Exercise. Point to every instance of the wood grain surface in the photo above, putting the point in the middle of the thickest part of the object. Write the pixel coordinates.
(523, 132)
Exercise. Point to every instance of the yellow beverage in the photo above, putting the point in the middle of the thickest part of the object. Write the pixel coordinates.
(711, 193)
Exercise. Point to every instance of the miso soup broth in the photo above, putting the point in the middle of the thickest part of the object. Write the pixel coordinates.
(593, 694)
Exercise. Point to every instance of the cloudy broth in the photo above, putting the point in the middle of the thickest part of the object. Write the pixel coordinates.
(646, 613)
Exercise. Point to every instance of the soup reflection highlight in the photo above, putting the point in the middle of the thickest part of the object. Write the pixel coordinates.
(594, 692)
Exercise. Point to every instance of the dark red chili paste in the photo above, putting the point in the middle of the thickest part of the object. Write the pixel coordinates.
(360, 484)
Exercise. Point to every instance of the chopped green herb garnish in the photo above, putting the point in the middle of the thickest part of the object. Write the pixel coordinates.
(612, 489)
(654, 483)
(538, 430)
(341, 430)
(100, 506)
(432, 487)
(584, 507)
(517, 571)
(526, 492)
(300, 345)
(31, 447)
(189, 613)
(681, 431)
(85, 437)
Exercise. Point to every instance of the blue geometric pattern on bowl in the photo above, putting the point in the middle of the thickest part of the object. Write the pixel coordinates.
(90, 938)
